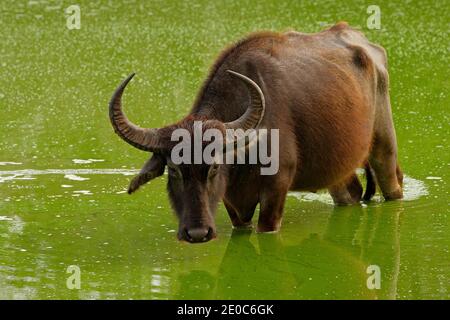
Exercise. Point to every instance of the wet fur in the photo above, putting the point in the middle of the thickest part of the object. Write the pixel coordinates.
(327, 93)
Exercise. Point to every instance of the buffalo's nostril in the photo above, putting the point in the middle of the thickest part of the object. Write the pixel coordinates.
(199, 234)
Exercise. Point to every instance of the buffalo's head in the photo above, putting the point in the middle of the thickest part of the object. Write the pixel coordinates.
(195, 188)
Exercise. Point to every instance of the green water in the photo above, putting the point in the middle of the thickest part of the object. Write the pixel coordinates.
(55, 84)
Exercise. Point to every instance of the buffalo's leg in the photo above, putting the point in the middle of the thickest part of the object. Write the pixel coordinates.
(234, 217)
(347, 192)
(383, 156)
(388, 175)
(271, 210)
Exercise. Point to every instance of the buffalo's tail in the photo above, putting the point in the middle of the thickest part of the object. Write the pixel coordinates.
(371, 184)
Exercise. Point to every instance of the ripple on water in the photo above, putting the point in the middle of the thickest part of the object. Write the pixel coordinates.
(83, 192)
(15, 177)
(86, 161)
(15, 224)
(412, 189)
(74, 177)
(6, 163)
(68, 172)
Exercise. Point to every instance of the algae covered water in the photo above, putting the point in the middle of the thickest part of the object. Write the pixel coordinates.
(64, 173)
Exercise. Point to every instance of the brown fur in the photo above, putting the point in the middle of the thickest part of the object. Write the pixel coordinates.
(327, 93)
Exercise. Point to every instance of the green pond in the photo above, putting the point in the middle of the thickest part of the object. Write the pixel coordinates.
(63, 171)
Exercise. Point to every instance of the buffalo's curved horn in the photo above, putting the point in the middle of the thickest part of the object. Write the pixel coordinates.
(255, 112)
(141, 138)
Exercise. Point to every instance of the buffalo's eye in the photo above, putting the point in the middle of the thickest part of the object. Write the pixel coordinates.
(213, 170)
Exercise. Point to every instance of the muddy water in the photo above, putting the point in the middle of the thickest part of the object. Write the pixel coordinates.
(63, 173)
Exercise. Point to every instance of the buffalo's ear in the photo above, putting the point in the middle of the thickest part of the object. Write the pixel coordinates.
(154, 167)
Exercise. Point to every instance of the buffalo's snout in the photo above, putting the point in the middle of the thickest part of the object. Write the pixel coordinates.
(198, 234)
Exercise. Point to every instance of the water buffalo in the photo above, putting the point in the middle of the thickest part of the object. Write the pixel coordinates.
(327, 93)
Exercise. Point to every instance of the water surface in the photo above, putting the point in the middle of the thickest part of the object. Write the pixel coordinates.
(63, 172)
